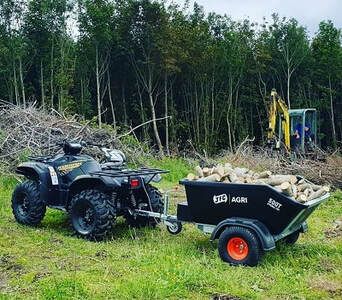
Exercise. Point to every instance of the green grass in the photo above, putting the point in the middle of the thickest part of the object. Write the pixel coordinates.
(48, 262)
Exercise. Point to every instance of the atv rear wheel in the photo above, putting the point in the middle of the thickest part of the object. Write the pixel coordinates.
(154, 203)
(27, 206)
(239, 246)
(90, 214)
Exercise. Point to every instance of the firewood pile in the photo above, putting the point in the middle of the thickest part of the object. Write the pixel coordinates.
(289, 185)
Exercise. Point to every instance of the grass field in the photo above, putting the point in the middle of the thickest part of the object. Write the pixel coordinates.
(48, 262)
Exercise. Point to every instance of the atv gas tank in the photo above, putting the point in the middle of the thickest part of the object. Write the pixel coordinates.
(68, 167)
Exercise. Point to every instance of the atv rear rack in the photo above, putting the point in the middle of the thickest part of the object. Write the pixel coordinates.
(129, 173)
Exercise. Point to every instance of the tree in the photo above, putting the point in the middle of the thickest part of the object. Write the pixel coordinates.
(327, 53)
(292, 47)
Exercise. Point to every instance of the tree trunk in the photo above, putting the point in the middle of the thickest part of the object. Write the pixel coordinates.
(52, 74)
(154, 123)
(98, 86)
(111, 100)
(288, 87)
(166, 117)
(142, 113)
(123, 95)
(82, 95)
(42, 84)
(15, 83)
(332, 114)
(22, 82)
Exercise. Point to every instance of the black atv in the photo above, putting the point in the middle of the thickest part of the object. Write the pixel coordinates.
(93, 194)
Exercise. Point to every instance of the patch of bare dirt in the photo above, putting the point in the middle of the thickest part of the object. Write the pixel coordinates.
(322, 284)
(3, 282)
(224, 297)
(8, 263)
(326, 265)
(336, 230)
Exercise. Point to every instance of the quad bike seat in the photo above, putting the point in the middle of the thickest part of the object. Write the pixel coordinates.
(72, 148)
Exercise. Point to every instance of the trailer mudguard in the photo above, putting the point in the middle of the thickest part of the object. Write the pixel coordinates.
(39, 172)
(265, 237)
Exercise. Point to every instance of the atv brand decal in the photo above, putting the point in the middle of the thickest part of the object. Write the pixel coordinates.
(223, 198)
(53, 175)
(65, 169)
(274, 204)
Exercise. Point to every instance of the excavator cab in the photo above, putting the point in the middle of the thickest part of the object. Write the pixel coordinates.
(294, 130)
(303, 129)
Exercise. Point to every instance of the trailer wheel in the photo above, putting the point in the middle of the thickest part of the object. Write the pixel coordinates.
(175, 228)
(292, 238)
(239, 246)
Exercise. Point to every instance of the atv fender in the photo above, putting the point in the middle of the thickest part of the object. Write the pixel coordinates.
(92, 181)
(38, 172)
(265, 237)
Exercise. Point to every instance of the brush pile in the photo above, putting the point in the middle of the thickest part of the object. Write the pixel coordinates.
(290, 185)
(33, 131)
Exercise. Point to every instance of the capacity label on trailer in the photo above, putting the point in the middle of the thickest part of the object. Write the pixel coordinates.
(274, 204)
(224, 198)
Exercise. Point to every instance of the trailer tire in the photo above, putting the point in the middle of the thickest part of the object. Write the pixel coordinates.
(239, 246)
(292, 238)
(175, 228)
(27, 206)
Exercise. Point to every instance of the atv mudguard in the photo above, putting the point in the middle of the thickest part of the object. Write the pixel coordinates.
(93, 181)
(38, 172)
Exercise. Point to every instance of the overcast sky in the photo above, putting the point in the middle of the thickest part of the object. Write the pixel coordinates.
(308, 12)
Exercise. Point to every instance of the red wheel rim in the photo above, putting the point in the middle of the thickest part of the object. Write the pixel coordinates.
(237, 248)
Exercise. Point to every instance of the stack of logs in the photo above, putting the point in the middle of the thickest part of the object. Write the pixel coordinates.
(290, 185)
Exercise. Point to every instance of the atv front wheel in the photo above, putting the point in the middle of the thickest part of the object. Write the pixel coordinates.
(90, 214)
(153, 202)
(27, 206)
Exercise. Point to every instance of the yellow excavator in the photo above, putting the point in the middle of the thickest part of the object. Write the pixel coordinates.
(291, 129)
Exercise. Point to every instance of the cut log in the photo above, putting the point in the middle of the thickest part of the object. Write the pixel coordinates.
(248, 180)
(286, 188)
(211, 178)
(219, 170)
(240, 171)
(279, 179)
(232, 177)
(199, 171)
(316, 194)
(302, 198)
(227, 166)
(307, 185)
(294, 190)
(307, 191)
(205, 171)
(191, 176)
(265, 174)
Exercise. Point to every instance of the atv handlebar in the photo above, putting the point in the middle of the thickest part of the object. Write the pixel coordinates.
(81, 143)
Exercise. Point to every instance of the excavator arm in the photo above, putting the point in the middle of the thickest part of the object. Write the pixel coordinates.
(278, 108)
